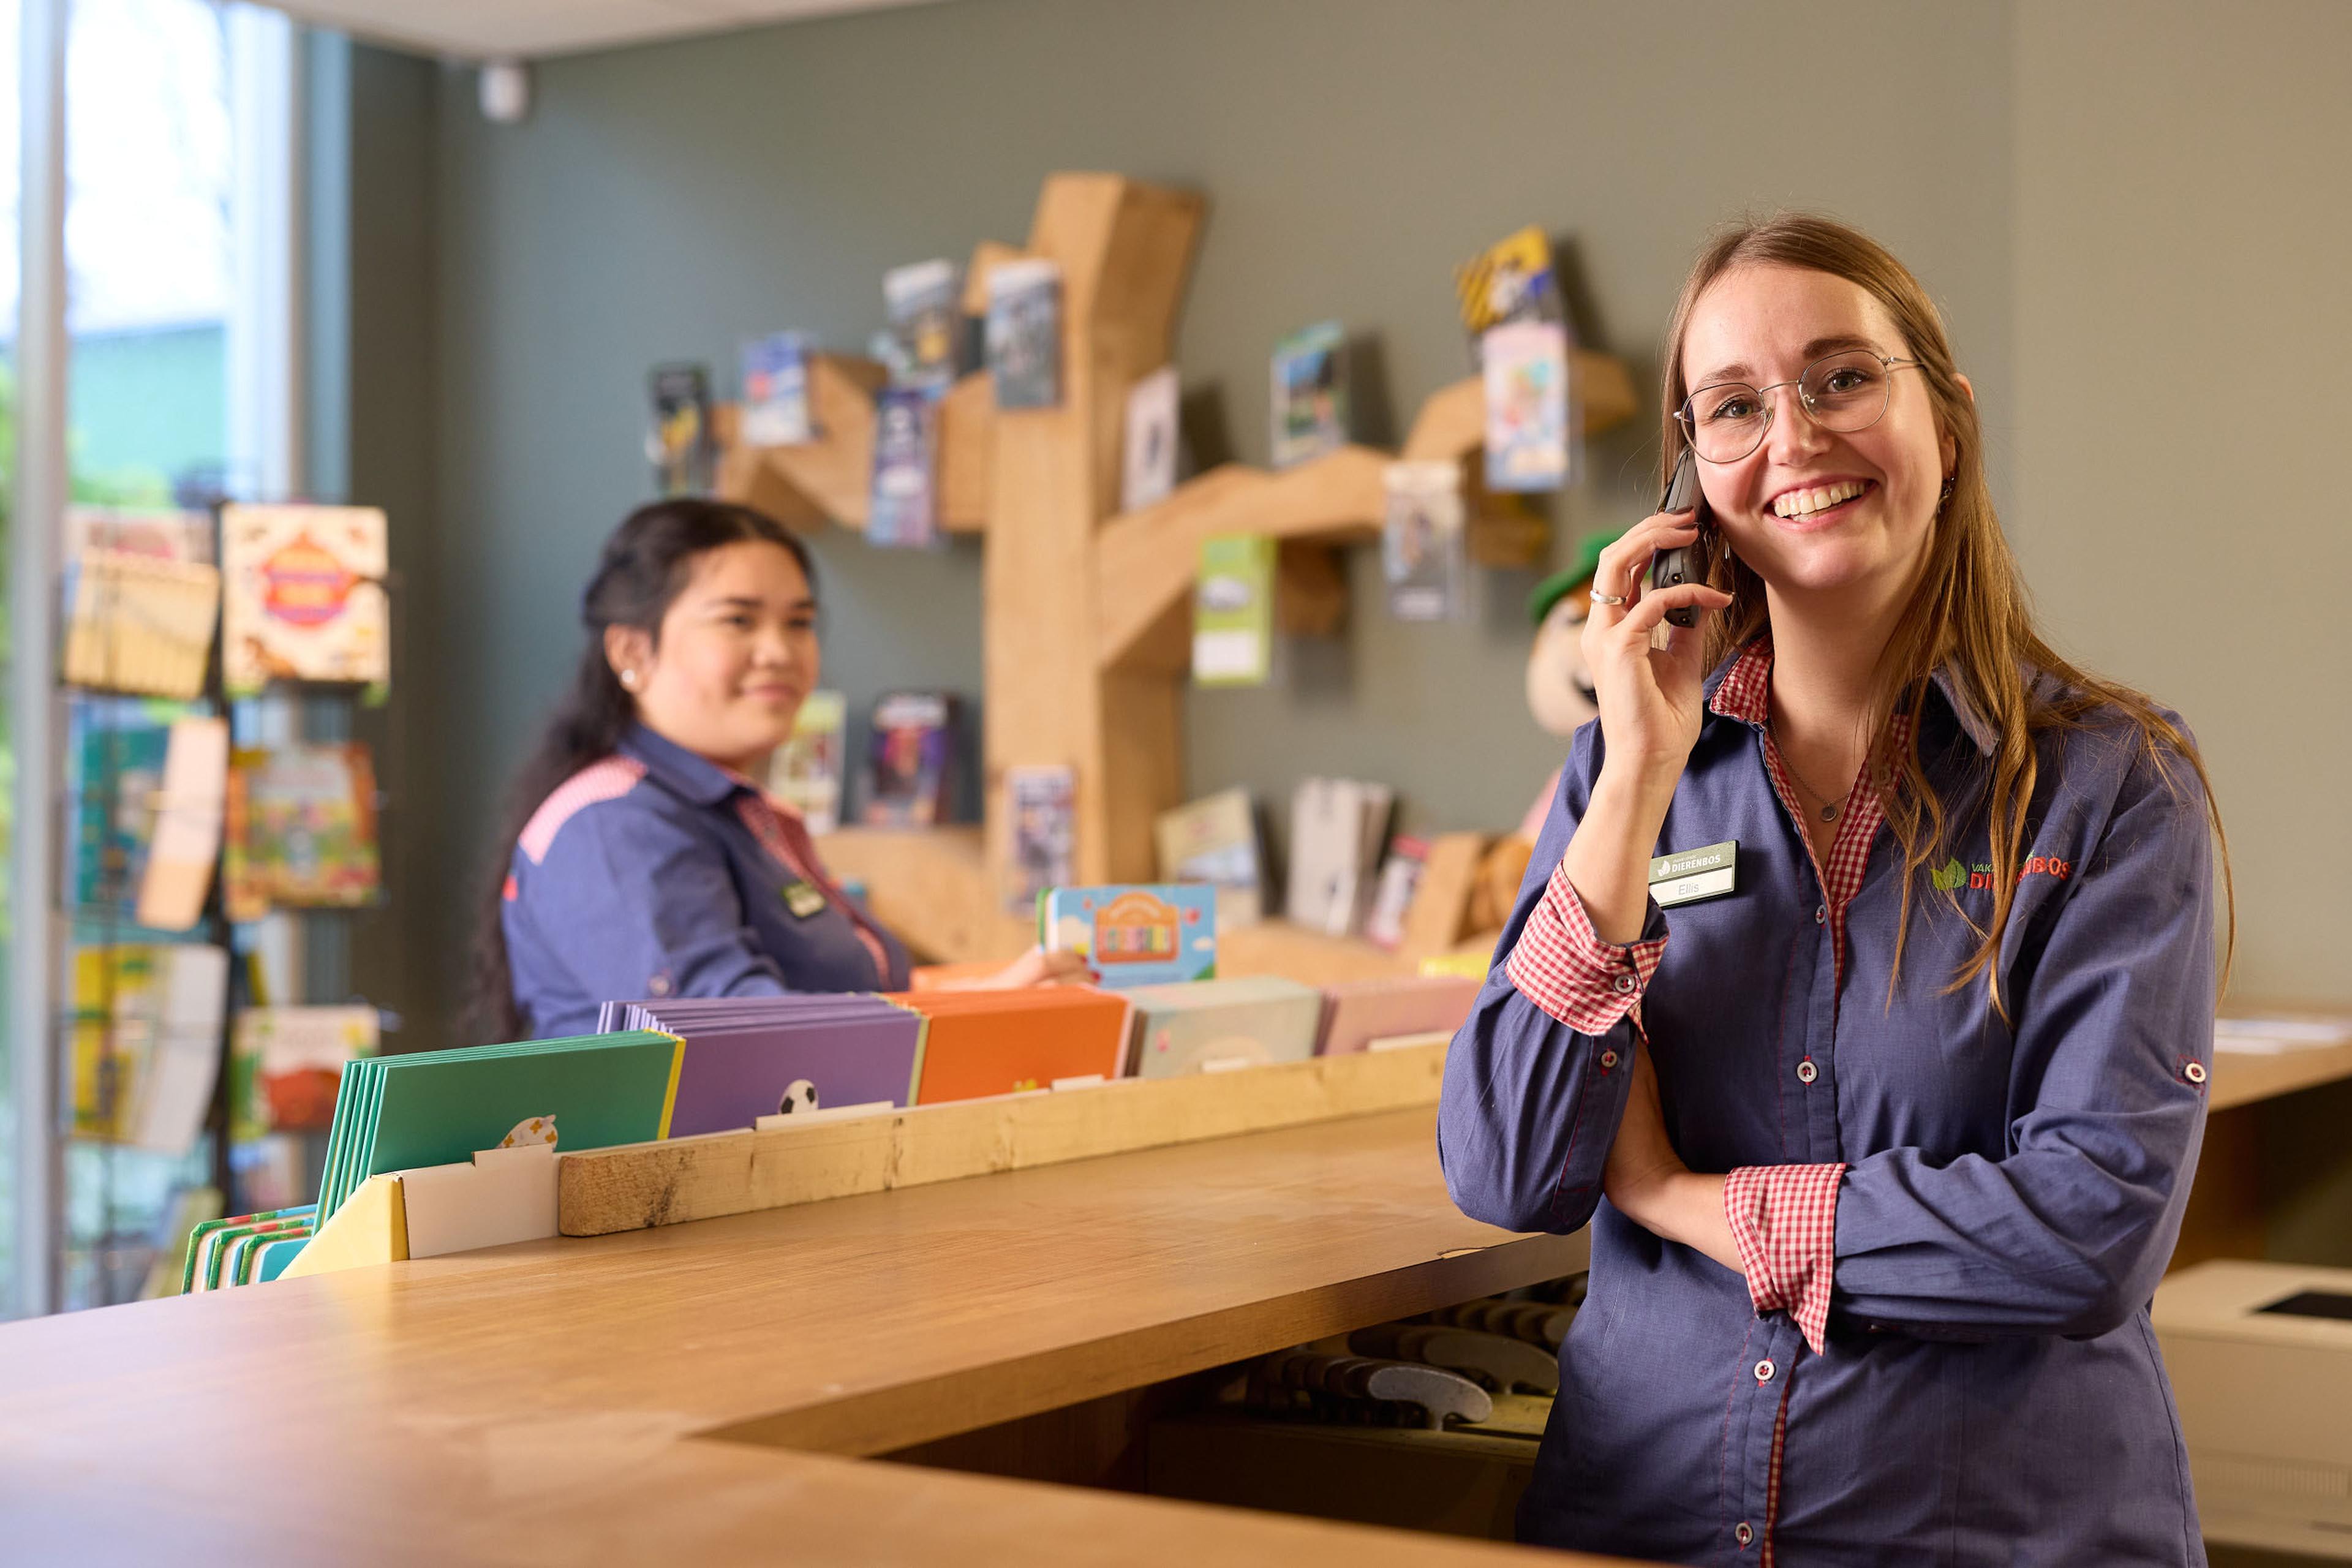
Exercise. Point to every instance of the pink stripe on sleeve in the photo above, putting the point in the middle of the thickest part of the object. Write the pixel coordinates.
(607, 780)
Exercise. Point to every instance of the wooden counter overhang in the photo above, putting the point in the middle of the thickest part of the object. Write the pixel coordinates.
(698, 1394)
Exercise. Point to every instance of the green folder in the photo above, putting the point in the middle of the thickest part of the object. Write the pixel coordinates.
(438, 1107)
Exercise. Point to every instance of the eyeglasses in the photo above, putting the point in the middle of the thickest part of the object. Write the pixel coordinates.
(1842, 392)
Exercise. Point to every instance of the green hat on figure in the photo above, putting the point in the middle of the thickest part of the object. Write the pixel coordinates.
(1552, 589)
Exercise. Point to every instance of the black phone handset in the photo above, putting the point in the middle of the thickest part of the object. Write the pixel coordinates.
(1688, 562)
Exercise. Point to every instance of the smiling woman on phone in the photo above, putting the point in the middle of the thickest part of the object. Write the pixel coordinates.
(641, 859)
(1885, 1130)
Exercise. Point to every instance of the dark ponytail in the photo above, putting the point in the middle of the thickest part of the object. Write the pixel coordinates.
(644, 566)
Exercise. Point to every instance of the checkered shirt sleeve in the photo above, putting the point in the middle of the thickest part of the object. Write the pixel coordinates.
(1784, 1221)
(1561, 965)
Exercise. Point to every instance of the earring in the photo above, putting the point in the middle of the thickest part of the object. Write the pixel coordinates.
(629, 679)
(1943, 500)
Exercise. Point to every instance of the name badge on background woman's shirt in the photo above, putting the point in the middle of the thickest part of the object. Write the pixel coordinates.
(1690, 875)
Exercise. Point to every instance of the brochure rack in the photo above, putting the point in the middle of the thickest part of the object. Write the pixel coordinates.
(118, 1198)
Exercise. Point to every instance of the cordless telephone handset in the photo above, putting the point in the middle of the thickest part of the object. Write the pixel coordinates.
(1684, 563)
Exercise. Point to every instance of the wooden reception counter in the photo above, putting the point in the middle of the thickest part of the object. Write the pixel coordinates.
(718, 1391)
(711, 1393)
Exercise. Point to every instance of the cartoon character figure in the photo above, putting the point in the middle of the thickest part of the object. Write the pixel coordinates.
(1559, 687)
(1561, 698)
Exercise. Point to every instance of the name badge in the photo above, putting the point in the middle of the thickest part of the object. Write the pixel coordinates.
(803, 899)
(1690, 875)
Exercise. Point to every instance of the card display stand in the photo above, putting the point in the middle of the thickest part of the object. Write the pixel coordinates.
(115, 1198)
(1087, 615)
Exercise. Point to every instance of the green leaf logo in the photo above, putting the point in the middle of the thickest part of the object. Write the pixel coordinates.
(1952, 878)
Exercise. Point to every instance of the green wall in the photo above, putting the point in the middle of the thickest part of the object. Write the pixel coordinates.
(663, 202)
(372, 436)
(2110, 199)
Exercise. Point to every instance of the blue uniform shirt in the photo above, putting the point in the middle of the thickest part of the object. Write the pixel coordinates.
(656, 872)
(2007, 1193)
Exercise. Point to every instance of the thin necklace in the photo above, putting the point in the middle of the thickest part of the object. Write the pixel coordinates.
(1828, 809)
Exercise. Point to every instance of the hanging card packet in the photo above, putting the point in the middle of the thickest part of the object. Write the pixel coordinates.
(903, 508)
(776, 391)
(1024, 333)
(1044, 803)
(680, 442)
(1527, 406)
(1513, 280)
(1425, 548)
(806, 770)
(1310, 393)
(1147, 469)
(1232, 611)
(924, 300)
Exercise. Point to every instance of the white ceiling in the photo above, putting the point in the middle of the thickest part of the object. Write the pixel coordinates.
(526, 29)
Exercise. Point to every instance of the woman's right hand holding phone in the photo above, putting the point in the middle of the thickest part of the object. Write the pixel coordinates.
(1650, 715)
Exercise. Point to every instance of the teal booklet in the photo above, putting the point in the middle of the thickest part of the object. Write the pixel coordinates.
(438, 1107)
(1220, 1024)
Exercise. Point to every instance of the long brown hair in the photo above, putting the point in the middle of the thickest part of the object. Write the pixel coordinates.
(643, 565)
(1969, 611)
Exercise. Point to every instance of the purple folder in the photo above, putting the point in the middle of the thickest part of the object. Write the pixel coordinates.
(730, 1077)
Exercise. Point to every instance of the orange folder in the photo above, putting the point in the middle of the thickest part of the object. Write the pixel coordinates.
(933, 976)
(979, 1043)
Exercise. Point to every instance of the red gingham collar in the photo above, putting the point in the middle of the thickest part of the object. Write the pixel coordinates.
(1743, 693)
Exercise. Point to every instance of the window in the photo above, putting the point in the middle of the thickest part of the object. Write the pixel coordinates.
(178, 306)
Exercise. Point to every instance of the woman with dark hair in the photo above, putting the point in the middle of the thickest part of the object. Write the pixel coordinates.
(1884, 1127)
(640, 858)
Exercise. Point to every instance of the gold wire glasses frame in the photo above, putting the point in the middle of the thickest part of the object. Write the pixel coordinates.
(1844, 392)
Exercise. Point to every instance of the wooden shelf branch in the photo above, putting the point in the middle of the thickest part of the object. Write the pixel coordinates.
(1086, 633)
(1146, 560)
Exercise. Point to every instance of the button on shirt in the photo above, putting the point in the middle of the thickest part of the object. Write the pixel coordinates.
(656, 872)
(1950, 1226)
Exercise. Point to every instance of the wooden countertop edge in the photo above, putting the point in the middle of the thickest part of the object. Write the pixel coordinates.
(882, 1420)
(720, 1505)
(2250, 1078)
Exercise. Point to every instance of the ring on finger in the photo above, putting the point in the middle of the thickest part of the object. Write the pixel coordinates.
(1600, 598)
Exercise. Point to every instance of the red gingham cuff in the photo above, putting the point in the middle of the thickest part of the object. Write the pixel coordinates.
(1563, 967)
(1784, 1221)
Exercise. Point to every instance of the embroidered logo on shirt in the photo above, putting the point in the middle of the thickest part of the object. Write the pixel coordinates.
(1951, 877)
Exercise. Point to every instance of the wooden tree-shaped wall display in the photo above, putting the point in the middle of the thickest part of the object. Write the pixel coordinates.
(1087, 623)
